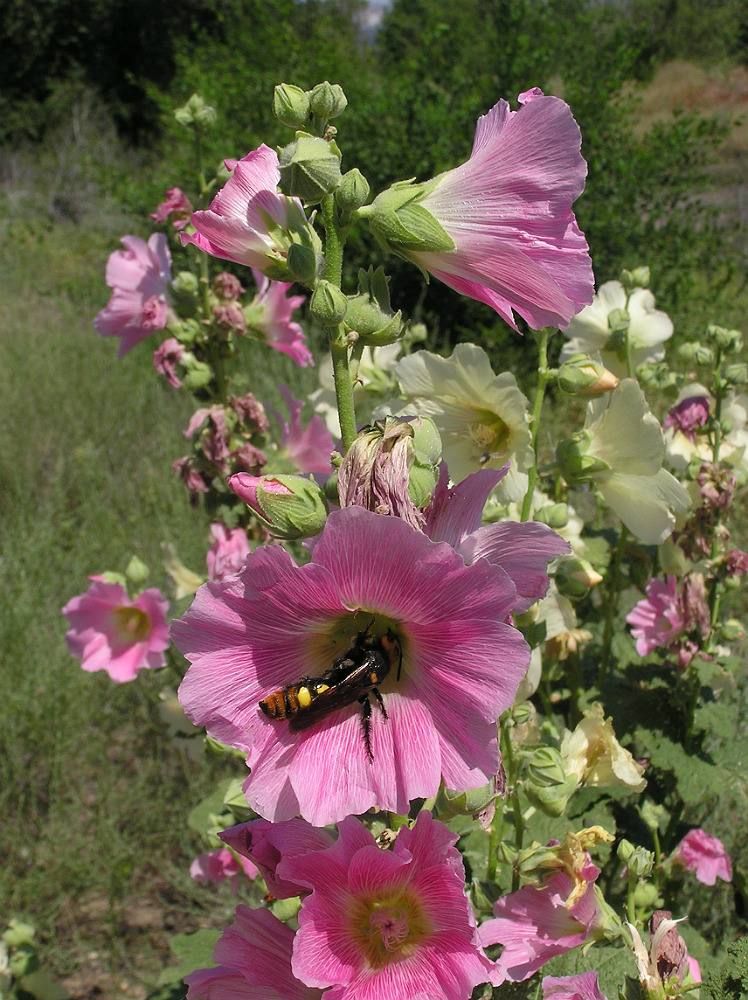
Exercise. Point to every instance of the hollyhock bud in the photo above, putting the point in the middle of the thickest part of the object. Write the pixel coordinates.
(309, 168)
(137, 572)
(555, 515)
(730, 341)
(549, 787)
(197, 374)
(736, 374)
(451, 803)
(196, 114)
(327, 101)
(353, 191)
(575, 577)
(288, 506)
(575, 464)
(303, 264)
(637, 277)
(291, 105)
(582, 376)
(369, 313)
(328, 304)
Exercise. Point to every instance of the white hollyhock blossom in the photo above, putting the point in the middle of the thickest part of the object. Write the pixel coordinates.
(589, 332)
(481, 417)
(620, 450)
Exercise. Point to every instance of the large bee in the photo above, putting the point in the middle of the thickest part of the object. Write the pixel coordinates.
(352, 677)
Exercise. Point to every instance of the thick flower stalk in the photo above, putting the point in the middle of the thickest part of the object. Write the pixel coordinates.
(110, 632)
(277, 626)
(140, 279)
(499, 228)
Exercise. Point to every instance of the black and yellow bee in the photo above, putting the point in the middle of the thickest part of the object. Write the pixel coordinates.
(352, 677)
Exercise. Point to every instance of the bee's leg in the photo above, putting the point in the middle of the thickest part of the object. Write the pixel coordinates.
(378, 696)
(366, 724)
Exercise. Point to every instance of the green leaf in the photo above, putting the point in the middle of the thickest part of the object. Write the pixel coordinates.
(192, 951)
(692, 774)
(731, 982)
(199, 818)
(611, 964)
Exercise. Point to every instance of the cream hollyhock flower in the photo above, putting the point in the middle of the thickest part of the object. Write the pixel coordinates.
(481, 417)
(589, 332)
(620, 450)
(595, 756)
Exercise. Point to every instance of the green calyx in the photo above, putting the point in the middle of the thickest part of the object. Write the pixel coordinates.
(369, 313)
(402, 225)
(309, 168)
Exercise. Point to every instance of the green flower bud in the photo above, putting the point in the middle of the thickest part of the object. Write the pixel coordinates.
(196, 114)
(303, 264)
(625, 850)
(618, 320)
(197, 375)
(353, 191)
(427, 443)
(653, 815)
(736, 374)
(185, 283)
(506, 853)
(328, 304)
(582, 376)
(576, 465)
(331, 488)
(291, 105)
(638, 277)
(704, 356)
(640, 862)
(522, 713)
(546, 768)
(327, 101)
(647, 898)
(730, 341)
(555, 515)
(23, 961)
(732, 630)
(575, 577)
(288, 506)
(186, 331)
(18, 933)
(551, 799)
(656, 375)
(401, 224)
(309, 168)
(450, 803)
(369, 313)
(421, 485)
(137, 572)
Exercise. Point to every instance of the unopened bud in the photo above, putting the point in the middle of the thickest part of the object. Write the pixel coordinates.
(736, 374)
(327, 101)
(288, 506)
(576, 465)
(309, 168)
(303, 264)
(730, 341)
(546, 768)
(328, 304)
(506, 853)
(640, 862)
(353, 191)
(575, 577)
(369, 313)
(18, 933)
(618, 320)
(656, 375)
(555, 515)
(185, 283)
(196, 114)
(137, 572)
(732, 630)
(582, 376)
(291, 105)
(451, 803)
(653, 815)
(637, 277)
(197, 374)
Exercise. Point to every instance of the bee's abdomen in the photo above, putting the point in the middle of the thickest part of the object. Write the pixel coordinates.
(282, 704)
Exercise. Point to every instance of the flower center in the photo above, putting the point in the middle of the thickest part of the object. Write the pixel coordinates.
(131, 624)
(490, 434)
(390, 929)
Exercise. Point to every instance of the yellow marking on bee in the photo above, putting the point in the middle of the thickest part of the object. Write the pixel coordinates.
(373, 678)
(322, 687)
(304, 696)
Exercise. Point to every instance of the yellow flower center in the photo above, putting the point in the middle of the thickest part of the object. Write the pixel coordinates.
(131, 624)
(388, 930)
(489, 433)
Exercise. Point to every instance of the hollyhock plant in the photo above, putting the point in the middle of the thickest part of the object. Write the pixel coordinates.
(217, 866)
(393, 923)
(269, 316)
(482, 417)
(581, 987)
(140, 279)
(657, 620)
(228, 553)
(534, 924)
(248, 221)
(499, 228)
(704, 855)
(648, 329)
(177, 207)
(112, 633)
(254, 963)
(276, 624)
(166, 357)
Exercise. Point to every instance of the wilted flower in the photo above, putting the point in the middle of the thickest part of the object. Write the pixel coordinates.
(166, 358)
(248, 221)
(499, 228)
(590, 332)
(481, 417)
(269, 316)
(277, 623)
(254, 962)
(665, 968)
(704, 855)
(217, 866)
(228, 553)
(112, 633)
(140, 279)
(595, 756)
(691, 412)
(177, 207)
(387, 923)
(620, 450)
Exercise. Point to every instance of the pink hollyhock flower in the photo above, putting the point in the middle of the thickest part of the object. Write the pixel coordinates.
(269, 315)
(686, 416)
(193, 480)
(536, 924)
(110, 632)
(227, 286)
(166, 358)
(140, 276)
(393, 923)
(657, 620)
(254, 963)
(237, 225)
(507, 210)
(228, 553)
(276, 624)
(307, 449)
(217, 866)
(177, 204)
(581, 987)
(267, 844)
(704, 855)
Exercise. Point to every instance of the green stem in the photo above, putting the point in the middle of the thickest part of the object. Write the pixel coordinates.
(343, 388)
(627, 347)
(510, 763)
(334, 241)
(610, 610)
(630, 904)
(497, 832)
(544, 375)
